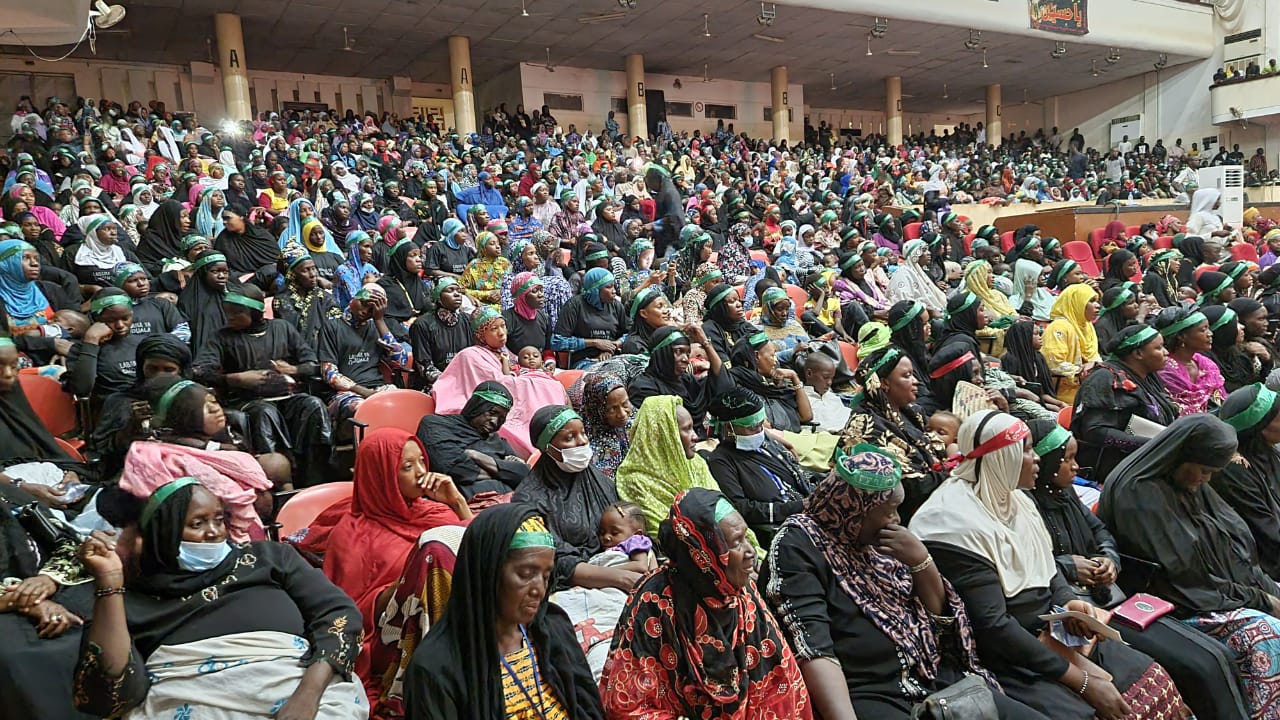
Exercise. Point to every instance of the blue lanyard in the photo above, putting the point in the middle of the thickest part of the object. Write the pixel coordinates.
(538, 706)
(782, 489)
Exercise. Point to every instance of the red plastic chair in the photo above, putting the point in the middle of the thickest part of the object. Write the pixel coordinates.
(533, 457)
(1006, 241)
(1244, 251)
(850, 353)
(761, 256)
(1081, 253)
(798, 296)
(1164, 242)
(1095, 240)
(55, 408)
(968, 243)
(302, 509)
(1064, 416)
(742, 292)
(402, 409)
(912, 230)
(69, 449)
(1132, 230)
(568, 377)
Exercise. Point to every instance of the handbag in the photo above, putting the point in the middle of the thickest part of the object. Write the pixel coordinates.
(46, 531)
(968, 699)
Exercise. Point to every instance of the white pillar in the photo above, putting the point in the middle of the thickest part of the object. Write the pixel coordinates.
(778, 93)
(235, 80)
(460, 77)
(995, 133)
(893, 109)
(637, 112)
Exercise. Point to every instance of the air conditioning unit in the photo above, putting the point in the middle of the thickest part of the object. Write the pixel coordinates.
(1229, 180)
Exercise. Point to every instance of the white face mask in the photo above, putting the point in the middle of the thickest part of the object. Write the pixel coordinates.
(202, 557)
(575, 459)
(746, 241)
(750, 443)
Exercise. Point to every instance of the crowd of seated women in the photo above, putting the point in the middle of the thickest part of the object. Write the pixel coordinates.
(704, 444)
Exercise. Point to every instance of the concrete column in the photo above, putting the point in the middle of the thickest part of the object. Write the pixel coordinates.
(995, 132)
(893, 109)
(637, 111)
(464, 101)
(779, 100)
(235, 78)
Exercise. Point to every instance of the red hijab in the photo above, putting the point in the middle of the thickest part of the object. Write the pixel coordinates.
(377, 529)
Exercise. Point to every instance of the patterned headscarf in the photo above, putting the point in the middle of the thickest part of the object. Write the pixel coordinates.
(521, 284)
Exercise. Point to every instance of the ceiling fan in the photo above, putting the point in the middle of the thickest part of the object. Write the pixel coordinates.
(706, 77)
(834, 86)
(524, 10)
(348, 45)
(549, 66)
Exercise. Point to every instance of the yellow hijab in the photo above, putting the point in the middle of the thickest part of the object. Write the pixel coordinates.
(307, 227)
(977, 281)
(1070, 306)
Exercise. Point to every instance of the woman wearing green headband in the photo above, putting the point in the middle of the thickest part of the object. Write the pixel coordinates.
(407, 296)
(151, 315)
(200, 302)
(99, 252)
(756, 368)
(467, 446)
(1249, 486)
(259, 363)
(1237, 367)
(484, 274)
(211, 625)
(500, 633)
(669, 373)
(1191, 377)
(103, 361)
(694, 300)
(303, 303)
(1119, 310)
(649, 312)
(568, 489)
(436, 338)
(779, 322)
(1124, 388)
(1160, 281)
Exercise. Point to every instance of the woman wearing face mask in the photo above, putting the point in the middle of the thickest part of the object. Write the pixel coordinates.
(500, 650)
(720, 651)
(571, 492)
(278, 637)
(734, 258)
(759, 475)
(467, 446)
(988, 539)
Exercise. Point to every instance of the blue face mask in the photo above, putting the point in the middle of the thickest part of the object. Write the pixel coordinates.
(750, 443)
(202, 557)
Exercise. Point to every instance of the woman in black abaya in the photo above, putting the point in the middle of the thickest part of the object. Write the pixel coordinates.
(668, 374)
(1249, 482)
(468, 448)
(407, 296)
(163, 238)
(201, 300)
(755, 367)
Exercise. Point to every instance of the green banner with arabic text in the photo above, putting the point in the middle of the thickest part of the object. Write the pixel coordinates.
(1060, 16)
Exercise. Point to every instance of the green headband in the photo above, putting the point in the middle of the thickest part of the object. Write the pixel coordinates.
(1052, 441)
(208, 260)
(7, 342)
(851, 261)
(356, 237)
(97, 305)
(1228, 316)
(483, 317)
(298, 259)
(969, 300)
(160, 495)
(704, 279)
(893, 354)
(1121, 299)
(523, 287)
(752, 420)
(94, 224)
(1238, 269)
(1226, 283)
(524, 540)
(605, 281)
(494, 398)
(396, 247)
(758, 340)
(556, 425)
(866, 479)
(773, 294)
(642, 298)
(442, 284)
(127, 271)
(162, 406)
(191, 241)
(718, 296)
(236, 298)
(1257, 410)
(1166, 255)
(1189, 321)
(1067, 266)
(597, 255)
(911, 247)
(16, 249)
(1135, 341)
(912, 313)
(723, 509)
(671, 339)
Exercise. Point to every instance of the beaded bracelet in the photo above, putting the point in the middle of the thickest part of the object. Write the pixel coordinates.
(108, 592)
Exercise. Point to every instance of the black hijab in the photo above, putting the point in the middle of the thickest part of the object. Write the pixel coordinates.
(249, 250)
(945, 381)
(1248, 483)
(780, 400)
(1111, 320)
(457, 671)
(1060, 508)
(23, 437)
(1021, 358)
(1206, 554)
(201, 304)
(163, 238)
(1236, 367)
(1192, 249)
(161, 528)
(961, 323)
(1115, 269)
(906, 322)
(406, 294)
